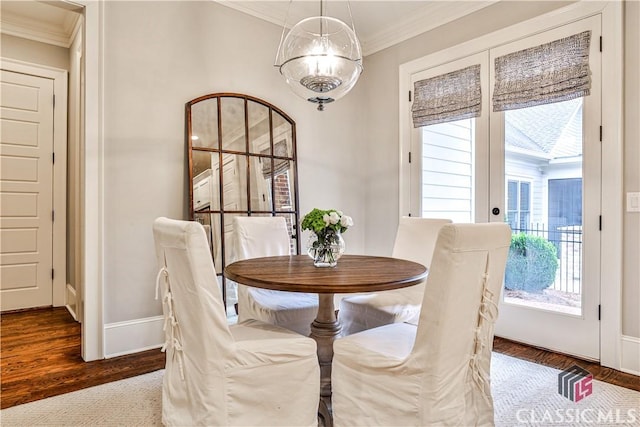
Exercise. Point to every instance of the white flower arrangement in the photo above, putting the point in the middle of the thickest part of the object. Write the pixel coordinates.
(327, 226)
(323, 222)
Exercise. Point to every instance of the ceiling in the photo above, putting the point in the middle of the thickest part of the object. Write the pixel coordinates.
(379, 24)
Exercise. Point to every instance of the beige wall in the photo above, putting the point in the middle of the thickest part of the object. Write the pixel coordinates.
(34, 52)
(158, 56)
(631, 272)
(381, 92)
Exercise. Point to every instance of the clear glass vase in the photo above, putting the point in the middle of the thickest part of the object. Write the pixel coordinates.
(325, 248)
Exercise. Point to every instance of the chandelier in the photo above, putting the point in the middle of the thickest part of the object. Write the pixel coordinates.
(320, 58)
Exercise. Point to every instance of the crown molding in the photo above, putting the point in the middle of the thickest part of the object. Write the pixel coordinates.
(33, 29)
(258, 10)
(433, 15)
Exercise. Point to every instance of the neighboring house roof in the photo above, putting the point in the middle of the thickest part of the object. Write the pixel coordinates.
(541, 129)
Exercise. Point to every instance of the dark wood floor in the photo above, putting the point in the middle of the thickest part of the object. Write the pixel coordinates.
(40, 357)
(562, 361)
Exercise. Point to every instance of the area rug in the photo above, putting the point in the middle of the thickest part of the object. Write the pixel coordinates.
(524, 394)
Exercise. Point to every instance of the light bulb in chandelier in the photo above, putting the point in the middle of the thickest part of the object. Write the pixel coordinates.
(320, 59)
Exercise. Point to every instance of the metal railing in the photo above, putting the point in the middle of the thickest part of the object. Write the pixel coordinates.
(568, 243)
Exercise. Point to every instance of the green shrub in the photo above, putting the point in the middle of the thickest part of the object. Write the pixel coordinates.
(531, 264)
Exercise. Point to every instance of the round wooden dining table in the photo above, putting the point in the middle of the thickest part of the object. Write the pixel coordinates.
(353, 274)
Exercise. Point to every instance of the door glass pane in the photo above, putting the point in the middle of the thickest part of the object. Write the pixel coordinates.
(448, 170)
(543, 148)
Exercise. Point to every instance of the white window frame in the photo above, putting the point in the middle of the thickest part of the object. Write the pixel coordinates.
(479, 150)
(612, 157)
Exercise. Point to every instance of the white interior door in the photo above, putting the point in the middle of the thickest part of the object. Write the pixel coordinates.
(26, 191)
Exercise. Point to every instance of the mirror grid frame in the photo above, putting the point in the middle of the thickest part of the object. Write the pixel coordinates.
(215, 117)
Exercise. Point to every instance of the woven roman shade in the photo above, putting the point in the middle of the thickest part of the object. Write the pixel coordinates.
(448, 97)
(552, 72)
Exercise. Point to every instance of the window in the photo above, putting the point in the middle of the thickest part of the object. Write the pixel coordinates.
(518, 204)
(448, 170)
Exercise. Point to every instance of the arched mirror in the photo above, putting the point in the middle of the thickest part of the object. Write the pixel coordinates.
(242, 162)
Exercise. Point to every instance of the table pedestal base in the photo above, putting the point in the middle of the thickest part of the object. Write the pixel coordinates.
(324, 330)
(356, 273)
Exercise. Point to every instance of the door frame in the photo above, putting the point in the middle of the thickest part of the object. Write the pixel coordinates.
(575, 334)
(91, 305)
(59, 258)
(612, 157)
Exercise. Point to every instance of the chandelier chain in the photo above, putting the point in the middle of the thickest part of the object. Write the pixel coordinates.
(284, 28)
(353, 24)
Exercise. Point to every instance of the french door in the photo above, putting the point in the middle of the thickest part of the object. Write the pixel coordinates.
(538, 169)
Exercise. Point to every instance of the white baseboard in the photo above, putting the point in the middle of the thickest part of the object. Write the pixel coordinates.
(138, 335)
(133, 336)
(71, 301)
(630, 355)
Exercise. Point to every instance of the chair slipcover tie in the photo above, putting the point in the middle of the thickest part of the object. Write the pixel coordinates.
(488, 313)
(437, 373)
(247, 374)
(170, 327)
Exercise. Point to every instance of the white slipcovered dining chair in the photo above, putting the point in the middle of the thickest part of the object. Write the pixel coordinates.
(268, 236)
(415, 241)
(249, 374)
(435, 372)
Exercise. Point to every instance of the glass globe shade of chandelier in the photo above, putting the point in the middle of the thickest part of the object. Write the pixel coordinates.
(320, 59)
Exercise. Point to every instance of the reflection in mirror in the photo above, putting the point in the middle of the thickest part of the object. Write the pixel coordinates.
(261, 183)
(230, 250)
(282, 131)
(204, 124)
(250, 171)
(259, 137)
(211, 223)
(291, 221)
(232, 124)
(205, 181)
(230, 287)
(234, 182)
(285, 194)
